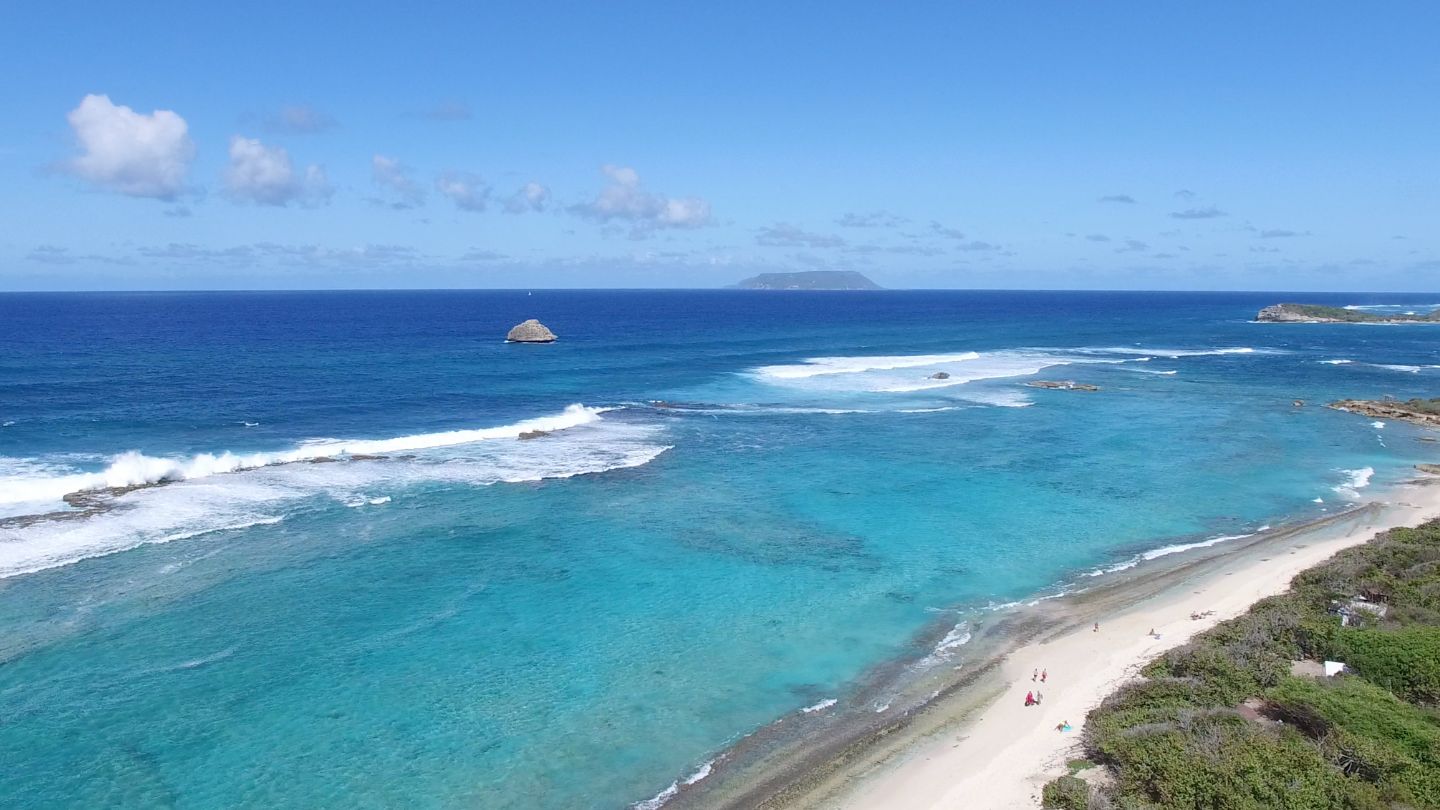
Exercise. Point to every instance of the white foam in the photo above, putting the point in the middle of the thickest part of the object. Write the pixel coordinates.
(1397, 367)
(816, 366)
(1176, 353)
(958, 637)
(133, 468)
(257, 496)
(1378, 425)
(659, 799)
(820, 707)
(1356, 480)
(895, 374)
(1165, 551)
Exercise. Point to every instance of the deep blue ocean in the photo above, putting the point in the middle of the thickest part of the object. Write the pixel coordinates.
(741, 503)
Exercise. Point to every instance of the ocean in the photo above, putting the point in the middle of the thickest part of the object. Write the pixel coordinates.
(324, 569)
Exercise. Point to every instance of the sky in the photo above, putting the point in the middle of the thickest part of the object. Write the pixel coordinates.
(1015, 145)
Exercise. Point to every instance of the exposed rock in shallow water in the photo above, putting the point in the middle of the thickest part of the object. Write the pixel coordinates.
(1419, 411)
(940, 375)
(533, 434)
(531, 331)
(1433, 469)
(1063, 385)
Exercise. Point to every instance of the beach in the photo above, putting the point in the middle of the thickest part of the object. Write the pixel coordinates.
(1000, 754)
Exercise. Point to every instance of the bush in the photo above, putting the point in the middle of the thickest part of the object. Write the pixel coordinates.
(1405, 661)
(1066, 793)
(1368, 733)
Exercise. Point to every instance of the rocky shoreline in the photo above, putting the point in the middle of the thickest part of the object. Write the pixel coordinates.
(1317, 313)
(1424, 412)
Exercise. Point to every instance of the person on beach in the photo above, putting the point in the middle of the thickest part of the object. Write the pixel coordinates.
(1063, 726)
(1034, 673)
(1029, 698)
(1039, 698)
(1096, 629)
(1044, 673)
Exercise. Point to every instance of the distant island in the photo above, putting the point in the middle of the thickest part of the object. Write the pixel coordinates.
(811, 280)
(1316, 313)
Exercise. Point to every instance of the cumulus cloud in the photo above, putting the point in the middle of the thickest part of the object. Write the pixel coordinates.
(1132, 246)
(625, 200)
(529, 197)
(1118, 198)
(1097, 237)
(1279, 233)
(783, 234)
(299, 119)
(1208, 212)
(140, 155)
(264, 175)
(872, 219)
(468, 191)
(398, 180)
(1185, 194)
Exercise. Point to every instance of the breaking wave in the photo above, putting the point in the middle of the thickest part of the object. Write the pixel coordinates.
(211, 494)
(135, 469)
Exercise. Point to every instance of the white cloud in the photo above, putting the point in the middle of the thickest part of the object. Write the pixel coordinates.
(625, 200)
(264, 175)
(299, 119)
(468, 191)
(394, 176)
(783, 234)
(530, 197)
(129, 152)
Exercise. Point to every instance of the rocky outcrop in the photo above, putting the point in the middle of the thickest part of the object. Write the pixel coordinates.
(1063, 385)
(1317, 313)
(1430, 469)
(526, 435)
(940, 375)
(531, 331)
(1419, 411)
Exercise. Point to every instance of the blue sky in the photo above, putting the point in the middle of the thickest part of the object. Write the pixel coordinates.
(1134, 145)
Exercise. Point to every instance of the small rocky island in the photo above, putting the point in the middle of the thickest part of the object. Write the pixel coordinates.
(531, 331)
(809, 280)
(1063, 385)
(1317, 313)
(1420, 411)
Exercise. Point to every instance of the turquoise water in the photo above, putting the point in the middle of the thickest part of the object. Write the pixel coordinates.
(745, 503)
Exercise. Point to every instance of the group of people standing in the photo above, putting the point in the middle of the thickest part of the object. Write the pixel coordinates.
(1033, 697)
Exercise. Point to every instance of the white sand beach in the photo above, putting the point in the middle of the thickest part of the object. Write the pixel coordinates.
(1002, 755)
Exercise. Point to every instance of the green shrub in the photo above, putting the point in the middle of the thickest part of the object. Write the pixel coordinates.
(1066, 793)
(1368, 733)
(1405, 661)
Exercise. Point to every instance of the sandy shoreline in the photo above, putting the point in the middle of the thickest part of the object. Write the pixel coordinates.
(994, 752)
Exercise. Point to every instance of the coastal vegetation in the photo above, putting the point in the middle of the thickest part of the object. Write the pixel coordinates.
(1240, 717)
(1318, 313)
